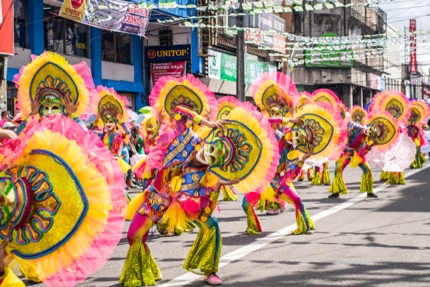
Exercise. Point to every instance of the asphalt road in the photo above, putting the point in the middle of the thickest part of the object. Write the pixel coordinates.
(358, 241)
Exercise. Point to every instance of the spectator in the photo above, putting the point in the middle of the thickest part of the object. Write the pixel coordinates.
(4, 118)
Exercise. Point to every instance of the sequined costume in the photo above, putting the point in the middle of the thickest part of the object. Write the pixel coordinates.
(380, 132)
(358, 145)
(190, 167)
(67, 218)
(281, 187)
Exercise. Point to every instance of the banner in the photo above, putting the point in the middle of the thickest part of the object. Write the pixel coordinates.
(6, 27)
(172, 69)
(73, 9)
(228, 67)
(111, 15)
(330, 55)
(224, 67)
(413, 44)
(214, 65)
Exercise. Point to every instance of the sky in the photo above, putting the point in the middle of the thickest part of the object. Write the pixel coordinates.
(398, 14)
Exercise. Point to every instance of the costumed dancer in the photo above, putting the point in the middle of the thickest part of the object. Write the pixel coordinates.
(62, 202)
(274, 98)
(150, 133)
(270, 96)
(191, 170)
(380, 131)
(418, 116)
(396, 104)
(111, 127)
(50, 86)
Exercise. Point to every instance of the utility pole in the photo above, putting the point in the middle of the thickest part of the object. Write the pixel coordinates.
(240, 55)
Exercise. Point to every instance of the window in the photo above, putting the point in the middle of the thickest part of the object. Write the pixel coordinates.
(20, 23)
(166, 38)
(12, 92)
(130, 99)
(64, 36)
(116, 47)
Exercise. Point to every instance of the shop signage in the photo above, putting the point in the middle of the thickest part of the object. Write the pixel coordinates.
(111, 15)
(172, 69)
(413, 46)
(167, 53)
(329, 56)
(223, 66)
(263, 24)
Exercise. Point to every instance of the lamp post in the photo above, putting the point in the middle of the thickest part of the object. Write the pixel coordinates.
(240, 55)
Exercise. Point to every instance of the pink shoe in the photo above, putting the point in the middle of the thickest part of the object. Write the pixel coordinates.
(213, 279)
(272, 211)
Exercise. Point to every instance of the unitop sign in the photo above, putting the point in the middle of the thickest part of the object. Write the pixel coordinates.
(167, 53)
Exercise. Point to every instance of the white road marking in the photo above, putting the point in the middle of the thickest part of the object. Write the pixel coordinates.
(262, 242)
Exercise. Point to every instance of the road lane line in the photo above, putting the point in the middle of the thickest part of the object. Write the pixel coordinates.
(262, 242)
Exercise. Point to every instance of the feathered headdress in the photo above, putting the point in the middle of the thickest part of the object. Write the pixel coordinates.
(186, 91)
(251, 150)
(50, 74)
(358, 114)
(66, 218)
(396, 104)
(227, 104)
(383, 130)
(322, 129)
(275, 95)
(419, 113)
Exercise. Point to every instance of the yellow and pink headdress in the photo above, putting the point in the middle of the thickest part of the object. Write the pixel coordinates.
(50, 74)
(322, 129)
(188, 92)
(251, 150)
(228, 103)
(383, 129)
(393, 102)
(419, 113)
(396, 104)
(110, 104)
(304, 99)
(358, 115)
(275, 97)
(65, 218)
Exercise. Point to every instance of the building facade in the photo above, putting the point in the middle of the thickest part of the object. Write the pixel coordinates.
(117, 60)
(356, 79)
(217, 47)
(392, 61)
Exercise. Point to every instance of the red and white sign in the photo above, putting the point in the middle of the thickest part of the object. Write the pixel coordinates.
(172, 69)
(413, 45)
(6, 27)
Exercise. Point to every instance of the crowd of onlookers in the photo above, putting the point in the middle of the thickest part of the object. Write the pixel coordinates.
(7, 126)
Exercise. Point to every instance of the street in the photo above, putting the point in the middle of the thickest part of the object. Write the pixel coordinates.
(358, 241)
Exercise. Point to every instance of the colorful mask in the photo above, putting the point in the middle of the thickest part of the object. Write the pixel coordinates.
(276, 112)
(212, 154)
(51, 105)
(299, 138)
(109, 121)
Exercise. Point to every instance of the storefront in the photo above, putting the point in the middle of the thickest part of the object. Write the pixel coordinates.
(170, 61)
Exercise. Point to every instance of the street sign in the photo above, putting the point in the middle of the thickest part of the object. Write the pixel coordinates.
(415, 81)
